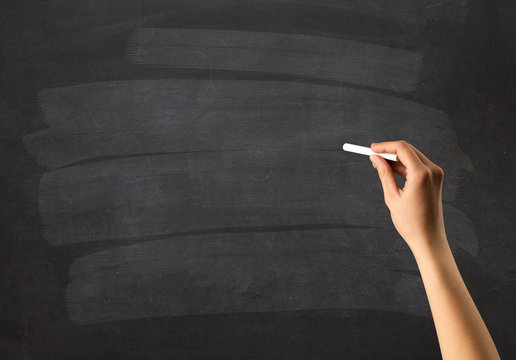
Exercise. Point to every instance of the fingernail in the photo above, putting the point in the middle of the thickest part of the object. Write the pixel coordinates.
(373, 161)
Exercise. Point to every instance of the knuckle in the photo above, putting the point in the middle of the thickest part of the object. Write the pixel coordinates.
(403, 143)
(437, 173)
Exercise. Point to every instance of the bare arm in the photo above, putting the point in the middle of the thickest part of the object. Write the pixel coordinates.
(416, 211)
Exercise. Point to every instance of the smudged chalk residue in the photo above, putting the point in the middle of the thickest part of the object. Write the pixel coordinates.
(251, 272)
(99, 121)
(302, 55)
(255, 206)
(153, 157)
(152, 195)
(245, 273)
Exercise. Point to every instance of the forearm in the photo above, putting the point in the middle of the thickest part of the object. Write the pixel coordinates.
(416, 212)
(460, 329)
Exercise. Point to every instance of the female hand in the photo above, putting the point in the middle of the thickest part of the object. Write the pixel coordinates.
(416, 210)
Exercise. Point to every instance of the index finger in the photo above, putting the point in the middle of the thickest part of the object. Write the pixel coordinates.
(405, 153)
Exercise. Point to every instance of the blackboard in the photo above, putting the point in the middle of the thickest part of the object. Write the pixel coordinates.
(173, 184)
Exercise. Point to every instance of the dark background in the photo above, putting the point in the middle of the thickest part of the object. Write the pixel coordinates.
(469, 49)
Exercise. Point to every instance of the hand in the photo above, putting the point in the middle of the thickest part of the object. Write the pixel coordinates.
(416, 210)
(417, 213)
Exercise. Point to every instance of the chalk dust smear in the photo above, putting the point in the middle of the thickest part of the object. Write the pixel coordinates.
(255, 205)
(295, 54)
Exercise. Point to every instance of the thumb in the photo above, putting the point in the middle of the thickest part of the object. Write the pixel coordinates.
(389, 185)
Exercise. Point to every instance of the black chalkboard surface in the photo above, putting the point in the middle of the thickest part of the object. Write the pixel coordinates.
(173, 184)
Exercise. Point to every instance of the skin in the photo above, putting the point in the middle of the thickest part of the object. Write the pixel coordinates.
(416, 212)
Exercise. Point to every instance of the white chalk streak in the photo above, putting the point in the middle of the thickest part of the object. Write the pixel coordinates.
(147, 196)
(151, 116)
(193, 155)
(302, 55)
(245, 273)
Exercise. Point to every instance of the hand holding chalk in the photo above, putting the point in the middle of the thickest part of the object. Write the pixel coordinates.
(367, 151)
(416, 210)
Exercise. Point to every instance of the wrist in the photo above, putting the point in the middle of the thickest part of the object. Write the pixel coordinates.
(436, 264)
(429, 247)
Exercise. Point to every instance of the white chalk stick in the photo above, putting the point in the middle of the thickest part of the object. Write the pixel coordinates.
(367, 151)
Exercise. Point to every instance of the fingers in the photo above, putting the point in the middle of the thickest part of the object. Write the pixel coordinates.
(399, 168)
(406, 154)
(422, 157)
(386, 174)
(436, 170)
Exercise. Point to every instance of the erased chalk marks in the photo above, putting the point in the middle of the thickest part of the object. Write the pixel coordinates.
(125, 118)
(152, 157)
(148, 196)
(129, 198)
(243, 182)
(143, 196)
(302, 55)
(252, 272)
(245, 273)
